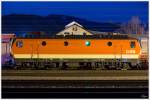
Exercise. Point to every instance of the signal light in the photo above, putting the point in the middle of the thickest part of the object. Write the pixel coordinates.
(87, 43)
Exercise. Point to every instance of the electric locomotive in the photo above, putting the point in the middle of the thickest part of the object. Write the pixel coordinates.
(76, 52)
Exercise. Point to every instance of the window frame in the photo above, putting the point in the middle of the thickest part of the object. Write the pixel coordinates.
(66, 43)
(18, 43)
(109, 44)
(132, 44)
(44, 43)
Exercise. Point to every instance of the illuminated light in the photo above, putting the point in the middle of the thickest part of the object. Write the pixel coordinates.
(87, 43)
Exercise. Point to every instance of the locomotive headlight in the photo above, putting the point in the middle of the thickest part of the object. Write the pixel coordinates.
(87, 43)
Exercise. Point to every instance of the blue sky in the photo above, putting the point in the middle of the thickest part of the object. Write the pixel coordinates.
(94, 11)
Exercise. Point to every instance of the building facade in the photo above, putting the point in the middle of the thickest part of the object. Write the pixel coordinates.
(6, 38)
(74, 28)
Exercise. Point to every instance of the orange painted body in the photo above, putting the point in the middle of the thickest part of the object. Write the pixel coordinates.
(75, 46)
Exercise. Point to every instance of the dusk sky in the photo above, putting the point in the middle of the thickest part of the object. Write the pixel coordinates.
(94, 11)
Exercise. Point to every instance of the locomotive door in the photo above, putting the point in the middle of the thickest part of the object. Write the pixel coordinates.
(31, 52)
(34, 52)
(118, 52)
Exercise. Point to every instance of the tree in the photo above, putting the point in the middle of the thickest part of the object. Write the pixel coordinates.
(134, 26)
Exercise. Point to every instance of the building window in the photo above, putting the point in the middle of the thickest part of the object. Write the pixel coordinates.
(43, 43)
(19, 44)
(74, 29)
(87, 43)
(66, 33)
(66, 43)
(132, 44)
(84, 33)
(109, 43)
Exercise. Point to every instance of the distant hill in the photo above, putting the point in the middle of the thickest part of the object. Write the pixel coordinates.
(51, 24)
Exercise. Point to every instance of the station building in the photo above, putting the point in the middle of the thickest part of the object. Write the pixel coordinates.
(74, 28)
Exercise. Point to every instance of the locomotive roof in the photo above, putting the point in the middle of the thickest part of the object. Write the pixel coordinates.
(76, 37)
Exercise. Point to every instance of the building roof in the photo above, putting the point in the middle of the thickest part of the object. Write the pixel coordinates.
(97, 32)
(139, 36)
(6, 37)
(73, 23)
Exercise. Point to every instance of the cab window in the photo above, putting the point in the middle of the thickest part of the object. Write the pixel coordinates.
(132, 44)
(19, 44)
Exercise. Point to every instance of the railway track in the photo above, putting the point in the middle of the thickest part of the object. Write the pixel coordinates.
(74, 75)
(74, 89)
(74, 83)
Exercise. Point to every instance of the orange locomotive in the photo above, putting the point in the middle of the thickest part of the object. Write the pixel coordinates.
(77, 52)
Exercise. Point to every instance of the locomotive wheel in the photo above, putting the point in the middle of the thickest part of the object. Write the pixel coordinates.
(139, 67)
(126, 66)
(106, 67)
(82, 65)
(118, 66)
(64, 66)
(89, 66)
(99, 66)
(17, 67)
(93, 65)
